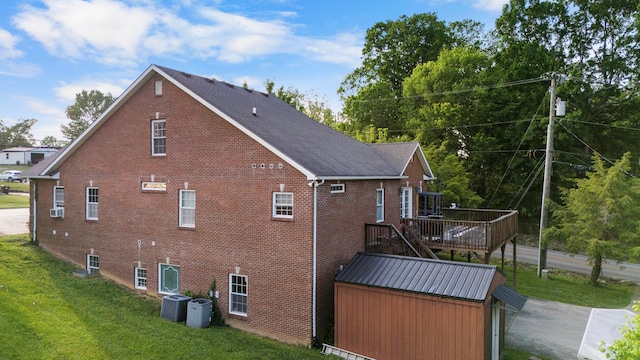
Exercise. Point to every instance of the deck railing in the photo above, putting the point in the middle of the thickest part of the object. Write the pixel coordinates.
(480, 231)
(466, 229)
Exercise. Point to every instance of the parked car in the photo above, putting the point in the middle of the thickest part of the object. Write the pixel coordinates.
(11, 176)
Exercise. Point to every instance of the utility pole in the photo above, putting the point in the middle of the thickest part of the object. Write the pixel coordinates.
(546, 187)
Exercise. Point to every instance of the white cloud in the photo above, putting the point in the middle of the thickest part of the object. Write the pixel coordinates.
(114, 32)
(19, 69)
(105, 30)
(491, 5)
(8, 45)
(67, 91)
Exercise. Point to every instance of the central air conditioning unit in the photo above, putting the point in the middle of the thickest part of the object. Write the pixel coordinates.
(56, 213)
(174, 307)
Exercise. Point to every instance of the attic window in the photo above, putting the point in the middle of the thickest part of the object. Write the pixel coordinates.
(158, 87)
(337, 188)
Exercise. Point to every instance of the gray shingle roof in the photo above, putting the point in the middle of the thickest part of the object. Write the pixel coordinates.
(316, 147)
(433, 277)
(316, 150)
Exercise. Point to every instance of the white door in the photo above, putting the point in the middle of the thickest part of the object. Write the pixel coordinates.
(495, 331)
(406, 203)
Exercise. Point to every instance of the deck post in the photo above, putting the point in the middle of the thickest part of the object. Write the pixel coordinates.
(502, 248)
(514, 261)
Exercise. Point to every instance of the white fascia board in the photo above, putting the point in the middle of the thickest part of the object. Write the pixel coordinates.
(423, 161)
(99, 121)
(345, 178)
(303, 170)
(55, 176)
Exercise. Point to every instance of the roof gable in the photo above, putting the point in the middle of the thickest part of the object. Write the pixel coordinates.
(314, 149)
(399, 155)
(418, 275)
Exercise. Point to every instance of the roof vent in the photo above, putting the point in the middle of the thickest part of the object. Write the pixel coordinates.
(254, 112)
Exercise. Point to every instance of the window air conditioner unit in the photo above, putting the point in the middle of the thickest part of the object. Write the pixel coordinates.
(56, 213)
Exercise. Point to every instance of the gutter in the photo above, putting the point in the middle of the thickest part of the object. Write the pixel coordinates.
(314, 184)
(35, 207)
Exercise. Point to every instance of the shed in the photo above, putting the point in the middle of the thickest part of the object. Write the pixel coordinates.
(22, 155)
(396, 307)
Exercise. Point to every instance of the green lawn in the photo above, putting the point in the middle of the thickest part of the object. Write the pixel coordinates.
(13, 201)
(47, 313)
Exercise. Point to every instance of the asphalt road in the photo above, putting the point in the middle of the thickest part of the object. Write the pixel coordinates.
(574, 263)
(14, 221)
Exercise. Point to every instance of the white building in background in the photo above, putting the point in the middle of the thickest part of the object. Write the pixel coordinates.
(22, 155)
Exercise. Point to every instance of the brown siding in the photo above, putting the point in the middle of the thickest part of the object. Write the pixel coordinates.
(386, 324)
(234, 228)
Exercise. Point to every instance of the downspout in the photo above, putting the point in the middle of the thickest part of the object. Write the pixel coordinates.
(35, 203)
(315, 184)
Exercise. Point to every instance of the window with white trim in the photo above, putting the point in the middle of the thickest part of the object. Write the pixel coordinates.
(337, 188)
(58, 197)
(158, 87)
(379, 205)
(406, 202)
(92, 203)
(140, 278)
(188, 208)
(158, 137)
(283, 205)
(238, 294)
(168, 279)
(93, 263)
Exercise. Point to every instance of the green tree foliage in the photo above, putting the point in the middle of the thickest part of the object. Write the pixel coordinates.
(87, 108)
(601, 215)
(392, 50)
(452, 179)
(628, 347)
(309, 104)
(50, 141)
(17, 135)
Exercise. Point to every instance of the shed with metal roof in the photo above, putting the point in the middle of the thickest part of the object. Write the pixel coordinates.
(395, 307)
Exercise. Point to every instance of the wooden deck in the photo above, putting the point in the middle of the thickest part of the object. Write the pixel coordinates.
(469, 230)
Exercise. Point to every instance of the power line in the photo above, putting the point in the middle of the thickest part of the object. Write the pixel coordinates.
(458, 91)
(605, 125)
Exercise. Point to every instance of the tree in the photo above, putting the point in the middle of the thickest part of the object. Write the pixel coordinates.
(628, 347)
(87, 108)
(452, 179)
(50, 141)
(18, 134)
(601, 215)
(309, 103)
(392, 50)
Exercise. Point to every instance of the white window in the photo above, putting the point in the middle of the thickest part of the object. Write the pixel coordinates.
(283, 205)
(168, 279)
(337, 188)
(158, 87)
(238, 294)
(159, 137)
(58, 197)
(187, 208)
(92, 203)
(380, 205)
(93, 263)
(406, 203)
(141, 278)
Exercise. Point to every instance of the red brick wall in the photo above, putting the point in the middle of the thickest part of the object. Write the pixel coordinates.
(234, 228)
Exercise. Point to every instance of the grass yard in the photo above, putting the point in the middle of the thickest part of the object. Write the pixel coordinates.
(13, 201)
(16, 186)
(47, 313)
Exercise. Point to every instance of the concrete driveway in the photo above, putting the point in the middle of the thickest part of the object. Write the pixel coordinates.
(14, 221)
(547, 328)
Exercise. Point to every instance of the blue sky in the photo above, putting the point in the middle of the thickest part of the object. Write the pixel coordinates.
(52, 49)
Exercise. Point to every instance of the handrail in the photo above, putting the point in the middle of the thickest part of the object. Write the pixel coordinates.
(383, 239)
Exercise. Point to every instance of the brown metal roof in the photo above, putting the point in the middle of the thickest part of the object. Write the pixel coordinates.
(427, 276)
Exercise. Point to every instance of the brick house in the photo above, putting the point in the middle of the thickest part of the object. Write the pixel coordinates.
(186, 179)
